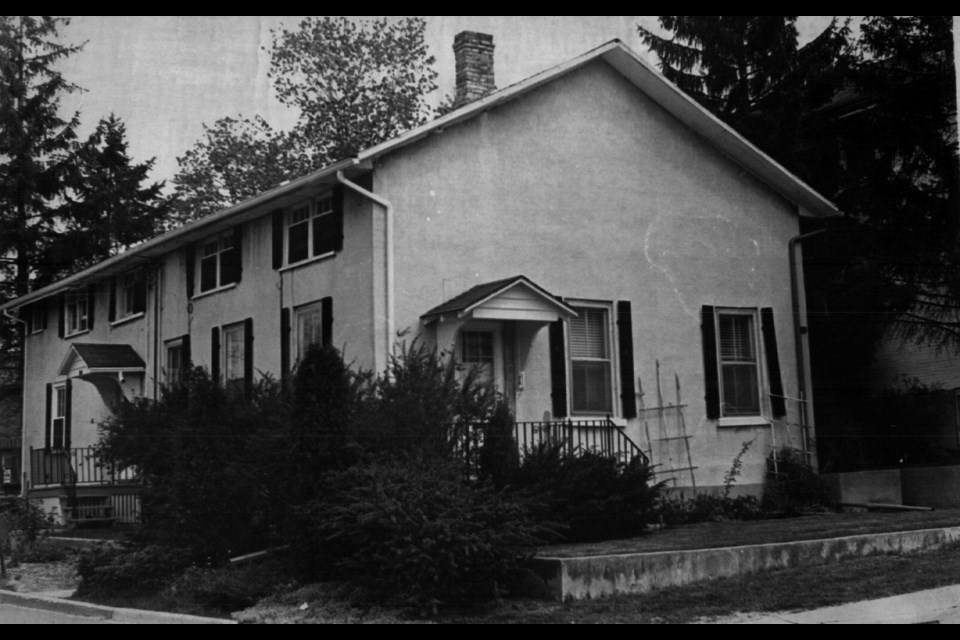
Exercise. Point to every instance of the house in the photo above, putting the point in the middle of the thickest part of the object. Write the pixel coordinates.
(590, 237)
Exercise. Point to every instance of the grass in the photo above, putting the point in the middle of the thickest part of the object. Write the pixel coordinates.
(799, 588)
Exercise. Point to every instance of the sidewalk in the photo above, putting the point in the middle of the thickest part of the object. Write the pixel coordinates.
(933, 606)
(56, 601)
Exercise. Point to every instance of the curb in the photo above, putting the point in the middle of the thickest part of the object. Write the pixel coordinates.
(115, 614)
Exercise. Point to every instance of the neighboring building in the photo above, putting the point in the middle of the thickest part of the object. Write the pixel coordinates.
(577, 234)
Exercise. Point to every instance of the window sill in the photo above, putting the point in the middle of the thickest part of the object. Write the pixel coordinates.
(204, 294)
(744, 421)
(126, 319)
(303, 263)
(75, 334)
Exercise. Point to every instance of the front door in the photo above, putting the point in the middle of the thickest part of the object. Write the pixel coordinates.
(490, 348)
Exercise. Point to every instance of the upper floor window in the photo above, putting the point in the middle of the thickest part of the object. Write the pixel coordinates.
(128, 296)
(77, 313)
(313, 229)
(309, 230)
(219, 262)
(37, 317)
(590, 361)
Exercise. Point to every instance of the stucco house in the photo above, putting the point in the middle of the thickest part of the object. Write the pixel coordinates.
(591, 237)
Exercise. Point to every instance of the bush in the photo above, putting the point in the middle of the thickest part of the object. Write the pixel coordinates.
(28, 525)
(793, 487)
(708, 507)
(590, 496)
(206, 458)
(111, 571)
(414, 529)
(230, 588)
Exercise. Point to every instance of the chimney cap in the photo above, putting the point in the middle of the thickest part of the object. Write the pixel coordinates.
(472, 37)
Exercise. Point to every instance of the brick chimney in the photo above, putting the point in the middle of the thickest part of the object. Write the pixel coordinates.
(474, 59)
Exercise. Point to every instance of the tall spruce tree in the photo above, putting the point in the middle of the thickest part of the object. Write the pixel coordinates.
(64, 202)
(353, 84)
(752, 73)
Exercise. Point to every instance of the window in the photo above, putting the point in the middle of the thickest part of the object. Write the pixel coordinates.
(477, 350)
(234, 373)
(219, 262)
(739, 364)
(131, 294)
(175, 362)
(313, 229)
(309, 328)
(590, 361)
(58, 415)
(37, 317)
(77, 313)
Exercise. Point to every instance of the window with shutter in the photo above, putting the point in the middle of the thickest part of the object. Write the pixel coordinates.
(314, 229)
(590, 361)
(220, 261)
(233, 353)
(739, 363)
(77, 313)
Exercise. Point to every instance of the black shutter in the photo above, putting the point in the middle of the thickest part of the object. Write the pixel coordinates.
(46, 425)
(215, 354)
(112, 310)
(191, 269)
(248, 355)
(628, 395)
(91, 304)
(140, 293)
(326, 321)
(711, 370)
(277, 239)
(61, 303)
(777, 402)
(186, 358)
(558, 369)
(67, 413)
(284, 346)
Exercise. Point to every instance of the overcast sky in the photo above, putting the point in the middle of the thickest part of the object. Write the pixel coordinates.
(167, 76)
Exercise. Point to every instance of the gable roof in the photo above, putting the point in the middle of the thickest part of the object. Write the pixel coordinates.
(644, 76)
(103, 357)
(476, 296)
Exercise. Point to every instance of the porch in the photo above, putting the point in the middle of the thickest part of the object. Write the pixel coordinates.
(82, 488)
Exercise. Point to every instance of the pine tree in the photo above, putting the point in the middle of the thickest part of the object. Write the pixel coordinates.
(751, 72)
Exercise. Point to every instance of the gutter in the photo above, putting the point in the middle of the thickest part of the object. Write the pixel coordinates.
(800, 330)
(389, 268)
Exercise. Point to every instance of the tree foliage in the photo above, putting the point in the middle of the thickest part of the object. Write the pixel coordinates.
(352, 84)
(752, 73)
(64, 202)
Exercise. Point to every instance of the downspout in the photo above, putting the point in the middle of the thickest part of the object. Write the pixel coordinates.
(388, 224)
(799, 330)
(23, 413)
(156, 331)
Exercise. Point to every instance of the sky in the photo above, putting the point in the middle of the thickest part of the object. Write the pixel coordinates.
(166, 76)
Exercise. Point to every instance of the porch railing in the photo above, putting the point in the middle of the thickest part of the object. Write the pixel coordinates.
(571, 437)
(602, 437)
(80, 466)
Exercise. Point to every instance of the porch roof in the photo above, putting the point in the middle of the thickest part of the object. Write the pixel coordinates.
(103, 358)
(490, 300)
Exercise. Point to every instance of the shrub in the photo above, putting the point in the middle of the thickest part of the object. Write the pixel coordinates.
(111, 571)
(592, 497)
(793, 487)
(707, 507)
(412, 528)
(205, 459)
(27, 524)
(230, 588)
(499, 457)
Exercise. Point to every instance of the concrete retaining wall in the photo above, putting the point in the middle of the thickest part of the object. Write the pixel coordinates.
(595, 577)
(937, 487)
(867, 486)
